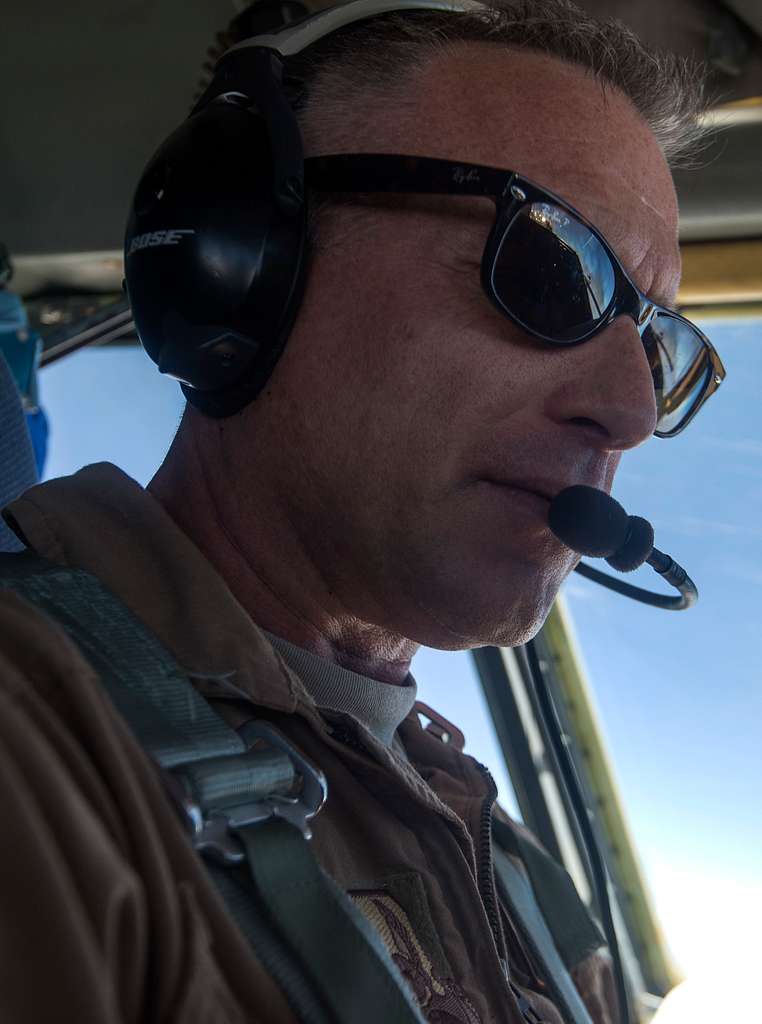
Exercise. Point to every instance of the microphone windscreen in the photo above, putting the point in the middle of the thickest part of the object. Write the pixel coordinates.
(588, 521)
(636, 548)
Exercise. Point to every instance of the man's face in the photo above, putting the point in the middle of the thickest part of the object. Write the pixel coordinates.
(409, 424)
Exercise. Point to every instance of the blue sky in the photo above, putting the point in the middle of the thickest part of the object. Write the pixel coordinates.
(679, 694)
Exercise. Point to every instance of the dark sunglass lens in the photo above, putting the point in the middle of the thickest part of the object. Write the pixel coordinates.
(681, 369)
(553, 274)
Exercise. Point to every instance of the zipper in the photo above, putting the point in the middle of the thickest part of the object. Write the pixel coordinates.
(516, 945)
(488, 893)
(485, 879)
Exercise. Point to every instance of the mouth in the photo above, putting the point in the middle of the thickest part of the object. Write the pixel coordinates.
(544, 490)
(529, 496)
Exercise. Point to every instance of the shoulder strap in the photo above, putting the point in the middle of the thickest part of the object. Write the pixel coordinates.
(245, 797)
(552, 918)
(575, 933)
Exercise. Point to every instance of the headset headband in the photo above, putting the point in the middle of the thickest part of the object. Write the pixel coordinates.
(292, 39)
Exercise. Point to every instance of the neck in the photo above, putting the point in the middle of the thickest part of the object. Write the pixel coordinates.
(267, 569)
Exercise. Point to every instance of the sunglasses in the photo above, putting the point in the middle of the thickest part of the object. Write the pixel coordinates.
(548, 269)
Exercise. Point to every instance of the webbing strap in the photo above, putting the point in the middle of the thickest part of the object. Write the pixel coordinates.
(247, 910)
(301, 924)
(328, 932)
(518, 894)
(172, 721)
(575, 933)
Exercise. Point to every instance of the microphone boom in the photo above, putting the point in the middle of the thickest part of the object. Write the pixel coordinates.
(591, 522)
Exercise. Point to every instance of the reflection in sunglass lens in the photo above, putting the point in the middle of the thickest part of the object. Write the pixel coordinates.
(681, 368)
(552, 273)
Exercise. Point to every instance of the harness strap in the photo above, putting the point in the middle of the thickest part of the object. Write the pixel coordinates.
(571, 919)
(245, 798)
(575, 933)
(170, 719)
(332, 937)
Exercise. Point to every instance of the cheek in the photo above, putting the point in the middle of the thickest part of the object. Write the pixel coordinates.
(400, 366)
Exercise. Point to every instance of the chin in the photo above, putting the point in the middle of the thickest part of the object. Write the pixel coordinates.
(503, 611)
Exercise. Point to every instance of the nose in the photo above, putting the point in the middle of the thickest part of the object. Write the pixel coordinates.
(608, 388)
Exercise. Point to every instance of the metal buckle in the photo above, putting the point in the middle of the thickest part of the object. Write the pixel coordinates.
(213, 833)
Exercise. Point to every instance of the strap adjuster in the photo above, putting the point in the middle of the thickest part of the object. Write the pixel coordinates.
(269, 779)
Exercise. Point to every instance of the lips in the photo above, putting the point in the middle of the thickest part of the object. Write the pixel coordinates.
(542, 488)
(547, 493)
(537, 493)
(520, 500)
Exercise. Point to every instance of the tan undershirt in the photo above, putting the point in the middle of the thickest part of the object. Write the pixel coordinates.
(379, 706)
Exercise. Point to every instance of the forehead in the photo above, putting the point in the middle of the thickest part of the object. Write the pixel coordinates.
(553, 123)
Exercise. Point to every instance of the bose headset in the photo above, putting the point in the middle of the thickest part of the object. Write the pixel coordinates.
(215, 250)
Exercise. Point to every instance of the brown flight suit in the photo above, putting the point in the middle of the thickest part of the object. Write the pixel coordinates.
(107, 914)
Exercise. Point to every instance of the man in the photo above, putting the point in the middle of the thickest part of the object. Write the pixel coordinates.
(388, 488)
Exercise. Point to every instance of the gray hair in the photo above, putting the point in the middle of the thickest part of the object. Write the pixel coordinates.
(381, 55)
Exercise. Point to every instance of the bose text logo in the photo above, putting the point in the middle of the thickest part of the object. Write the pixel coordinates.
(150, 238)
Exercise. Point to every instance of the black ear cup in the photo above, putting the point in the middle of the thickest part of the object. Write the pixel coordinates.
(214, 267)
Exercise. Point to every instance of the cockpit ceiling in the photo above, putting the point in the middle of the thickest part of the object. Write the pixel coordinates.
(91, 89)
